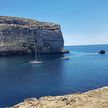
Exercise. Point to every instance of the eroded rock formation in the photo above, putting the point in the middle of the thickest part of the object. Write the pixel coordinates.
(93, 99)
(17, 36)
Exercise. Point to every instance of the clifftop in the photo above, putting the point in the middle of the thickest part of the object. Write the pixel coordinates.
(7, 21)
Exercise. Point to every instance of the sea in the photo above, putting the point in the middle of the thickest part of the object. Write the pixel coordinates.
(81, 70)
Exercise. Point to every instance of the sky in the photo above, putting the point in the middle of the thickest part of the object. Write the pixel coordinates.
(83, 22)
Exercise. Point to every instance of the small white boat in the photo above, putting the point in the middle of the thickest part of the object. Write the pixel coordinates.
(35, 62)
(64, 58)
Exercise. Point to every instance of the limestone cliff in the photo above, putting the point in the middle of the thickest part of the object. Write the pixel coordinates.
(92, 99)
(17, 36)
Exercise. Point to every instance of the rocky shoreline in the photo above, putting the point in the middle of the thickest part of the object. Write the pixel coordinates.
(92, 99)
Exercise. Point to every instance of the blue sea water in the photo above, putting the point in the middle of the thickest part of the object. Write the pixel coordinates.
(85, 70)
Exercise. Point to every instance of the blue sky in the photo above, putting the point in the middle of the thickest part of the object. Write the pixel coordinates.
(82, 21)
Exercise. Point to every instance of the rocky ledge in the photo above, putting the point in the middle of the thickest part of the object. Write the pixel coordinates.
(17, 36)
(92, 99)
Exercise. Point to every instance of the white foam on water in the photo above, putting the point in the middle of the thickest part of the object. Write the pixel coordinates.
(35, 62)
(79, 54)
(65, 58)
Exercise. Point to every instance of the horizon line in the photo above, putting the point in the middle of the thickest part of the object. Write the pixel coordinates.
(85, 44)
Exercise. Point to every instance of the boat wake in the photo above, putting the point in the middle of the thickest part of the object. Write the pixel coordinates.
(84, 54)
(79, 54)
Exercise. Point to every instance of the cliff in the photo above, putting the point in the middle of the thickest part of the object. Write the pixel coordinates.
(17, 36)
(92, 99)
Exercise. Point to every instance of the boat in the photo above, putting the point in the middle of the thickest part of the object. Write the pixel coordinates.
(102, 52)
(64, 58)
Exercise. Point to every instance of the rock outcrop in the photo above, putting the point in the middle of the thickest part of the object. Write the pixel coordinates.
(101, 52)
(92, 99)
(17, 36)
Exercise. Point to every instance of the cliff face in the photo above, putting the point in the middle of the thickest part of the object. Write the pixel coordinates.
(17, 36)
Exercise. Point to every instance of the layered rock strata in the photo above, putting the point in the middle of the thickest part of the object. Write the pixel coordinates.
(17, 36)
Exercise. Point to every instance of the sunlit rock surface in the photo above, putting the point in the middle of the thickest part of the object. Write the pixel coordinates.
(92, 99)
(17, 36)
